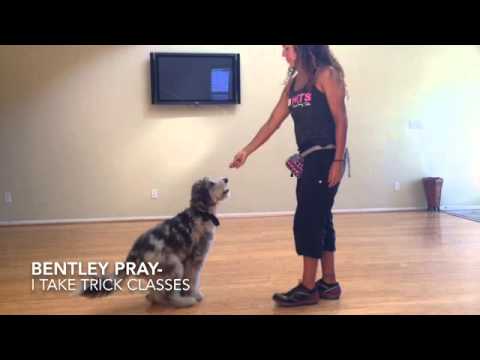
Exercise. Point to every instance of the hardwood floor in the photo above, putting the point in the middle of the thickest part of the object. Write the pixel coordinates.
(388, 263)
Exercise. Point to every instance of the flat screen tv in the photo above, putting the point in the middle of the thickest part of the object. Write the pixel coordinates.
(190, 78)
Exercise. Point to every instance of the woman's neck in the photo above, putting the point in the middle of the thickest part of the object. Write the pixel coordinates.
(302, 75)
(301, 71)
(301, 78)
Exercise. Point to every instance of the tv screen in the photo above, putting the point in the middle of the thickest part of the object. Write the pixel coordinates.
(178, 78)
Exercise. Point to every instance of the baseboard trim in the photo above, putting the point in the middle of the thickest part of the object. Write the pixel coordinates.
(457, 207)
(81, 221)
(335, 211)
(224, 216)
(378, 210)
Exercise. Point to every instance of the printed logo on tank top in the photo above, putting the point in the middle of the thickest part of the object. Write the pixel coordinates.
(301, 100)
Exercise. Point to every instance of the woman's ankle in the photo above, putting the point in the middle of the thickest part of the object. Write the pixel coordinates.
(329, 279)
(309, 285)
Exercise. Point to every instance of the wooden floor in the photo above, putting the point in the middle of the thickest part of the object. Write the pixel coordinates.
(391, 263)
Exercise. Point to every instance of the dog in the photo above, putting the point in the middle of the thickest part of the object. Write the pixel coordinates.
(179, 246)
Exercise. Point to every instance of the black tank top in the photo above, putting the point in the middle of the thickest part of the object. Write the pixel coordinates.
(314, 123)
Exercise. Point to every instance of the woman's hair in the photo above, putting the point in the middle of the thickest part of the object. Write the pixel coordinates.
(313, 57)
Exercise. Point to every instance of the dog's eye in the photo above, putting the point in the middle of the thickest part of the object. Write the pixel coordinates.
(211, 183)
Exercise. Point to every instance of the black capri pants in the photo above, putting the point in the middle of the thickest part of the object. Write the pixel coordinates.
(313, 222)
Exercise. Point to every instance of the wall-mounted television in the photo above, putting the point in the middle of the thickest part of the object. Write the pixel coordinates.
(195, 78)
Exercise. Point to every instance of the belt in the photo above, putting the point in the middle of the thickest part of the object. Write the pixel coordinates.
(316, 148)
(328, 147)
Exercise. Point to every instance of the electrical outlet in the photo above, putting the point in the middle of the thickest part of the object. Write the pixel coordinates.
(397, 185)
(415, 125)
(8, 198)
(154, 194)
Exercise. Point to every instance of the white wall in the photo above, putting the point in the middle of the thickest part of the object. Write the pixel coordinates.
(79, 138)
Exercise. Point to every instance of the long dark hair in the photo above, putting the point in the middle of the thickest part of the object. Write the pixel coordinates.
(313, 57)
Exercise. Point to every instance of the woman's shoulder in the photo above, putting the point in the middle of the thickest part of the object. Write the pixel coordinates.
(326, 76)
(327, 73)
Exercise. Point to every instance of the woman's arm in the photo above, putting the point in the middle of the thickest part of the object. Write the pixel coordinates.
(279, 114)
(334, 88)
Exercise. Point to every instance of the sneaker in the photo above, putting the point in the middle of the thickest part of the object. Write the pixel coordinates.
(327, 291)
(298, 296)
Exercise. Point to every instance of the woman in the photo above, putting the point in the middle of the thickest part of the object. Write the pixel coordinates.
(315, 97)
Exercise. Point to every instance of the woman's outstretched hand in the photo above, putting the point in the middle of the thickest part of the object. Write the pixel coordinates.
(239, 160)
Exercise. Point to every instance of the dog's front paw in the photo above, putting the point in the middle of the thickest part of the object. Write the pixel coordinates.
(198, 295)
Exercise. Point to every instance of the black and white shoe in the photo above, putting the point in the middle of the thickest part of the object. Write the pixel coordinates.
(298, 296)
(328, 291)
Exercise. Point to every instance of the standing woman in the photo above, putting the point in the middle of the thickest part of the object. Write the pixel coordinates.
(315, 97)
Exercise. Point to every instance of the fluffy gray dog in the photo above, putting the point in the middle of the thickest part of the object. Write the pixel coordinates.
(179, 246)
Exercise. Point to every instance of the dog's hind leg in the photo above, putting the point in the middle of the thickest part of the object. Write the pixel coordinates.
(175, 297)
(157, 297)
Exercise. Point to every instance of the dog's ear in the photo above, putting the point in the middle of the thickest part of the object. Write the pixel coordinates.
(205, 195)
(199, 186)
(201, 194)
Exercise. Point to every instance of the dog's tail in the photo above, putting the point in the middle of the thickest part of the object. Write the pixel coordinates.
(105, 285)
